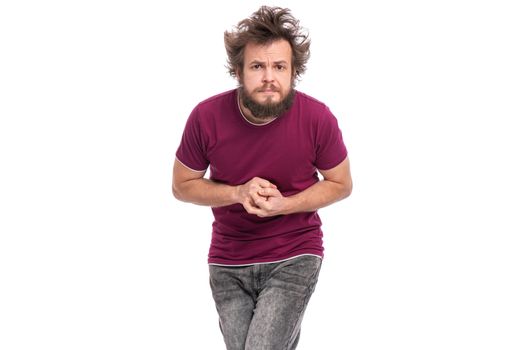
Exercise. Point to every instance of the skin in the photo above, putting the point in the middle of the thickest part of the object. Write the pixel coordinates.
(267, 76)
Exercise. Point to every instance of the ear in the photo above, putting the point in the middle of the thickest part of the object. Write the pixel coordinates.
(238, 76)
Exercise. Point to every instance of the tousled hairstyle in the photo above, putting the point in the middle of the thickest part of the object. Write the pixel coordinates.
(265, 26)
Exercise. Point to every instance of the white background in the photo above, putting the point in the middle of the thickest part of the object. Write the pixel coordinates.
(95, 253)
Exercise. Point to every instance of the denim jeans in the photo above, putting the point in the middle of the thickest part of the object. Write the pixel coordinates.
(261, 306)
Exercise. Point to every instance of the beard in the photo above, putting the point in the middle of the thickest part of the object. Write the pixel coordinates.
(268, 109)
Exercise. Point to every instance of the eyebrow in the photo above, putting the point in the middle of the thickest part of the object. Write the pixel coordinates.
(263, 63)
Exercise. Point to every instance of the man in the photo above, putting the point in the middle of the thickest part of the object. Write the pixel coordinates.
(264, 143)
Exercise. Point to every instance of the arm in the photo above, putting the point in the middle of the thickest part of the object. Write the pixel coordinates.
(337, 185)
(191, 186)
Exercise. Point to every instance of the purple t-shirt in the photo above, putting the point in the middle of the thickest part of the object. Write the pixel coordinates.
(287, 152)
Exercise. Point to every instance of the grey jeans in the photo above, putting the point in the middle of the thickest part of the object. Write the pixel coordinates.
(261, 306)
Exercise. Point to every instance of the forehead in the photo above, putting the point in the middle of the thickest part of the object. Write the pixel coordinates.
(279, 50)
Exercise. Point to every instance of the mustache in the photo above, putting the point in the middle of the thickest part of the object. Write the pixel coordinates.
(268, 87)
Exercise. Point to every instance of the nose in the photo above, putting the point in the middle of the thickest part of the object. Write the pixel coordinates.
(268, 76)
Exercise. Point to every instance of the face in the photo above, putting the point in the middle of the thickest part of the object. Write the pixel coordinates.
(267, 79)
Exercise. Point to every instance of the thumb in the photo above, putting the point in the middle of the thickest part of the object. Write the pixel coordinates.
(269, 192)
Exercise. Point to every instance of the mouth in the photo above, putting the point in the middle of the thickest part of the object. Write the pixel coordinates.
(267, 90)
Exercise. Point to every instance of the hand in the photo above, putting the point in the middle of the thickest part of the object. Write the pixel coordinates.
(270, 202)
(248, 193)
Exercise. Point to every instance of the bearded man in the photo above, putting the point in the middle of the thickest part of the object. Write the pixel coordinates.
(264, 144)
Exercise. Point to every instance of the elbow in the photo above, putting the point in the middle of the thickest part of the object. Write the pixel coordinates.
(348, 189)
(176, 192)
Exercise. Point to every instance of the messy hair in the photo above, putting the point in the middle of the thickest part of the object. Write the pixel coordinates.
(265, 26)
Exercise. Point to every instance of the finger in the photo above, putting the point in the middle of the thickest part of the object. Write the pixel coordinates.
(269, 192)
(261, 203)
(254, 197)
(266, 184)
(252, 203)
(255, 210)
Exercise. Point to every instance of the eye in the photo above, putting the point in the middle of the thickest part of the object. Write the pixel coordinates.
(280, 67)
(256, 66)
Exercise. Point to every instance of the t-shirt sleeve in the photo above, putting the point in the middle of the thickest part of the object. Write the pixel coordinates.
(192, 149)
(330, 147)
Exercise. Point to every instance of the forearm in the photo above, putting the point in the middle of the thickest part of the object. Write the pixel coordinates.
(206, 192)
(336, 185)
(320, 195)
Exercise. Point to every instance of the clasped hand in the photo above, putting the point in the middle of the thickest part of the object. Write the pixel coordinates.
(262, 198)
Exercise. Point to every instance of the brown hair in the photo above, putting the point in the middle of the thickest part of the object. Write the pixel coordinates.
(265, 26)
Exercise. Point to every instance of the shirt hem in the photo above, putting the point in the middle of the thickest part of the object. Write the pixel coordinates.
(267, 262)
(185, 166)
